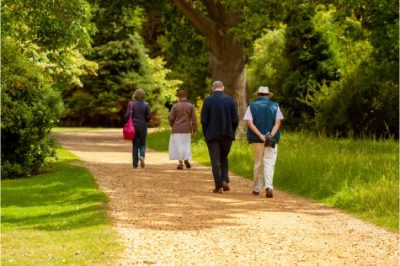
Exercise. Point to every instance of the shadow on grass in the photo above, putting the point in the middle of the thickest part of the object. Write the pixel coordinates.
(66, 198)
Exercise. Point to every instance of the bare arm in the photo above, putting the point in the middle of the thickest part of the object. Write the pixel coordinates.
(276, 127)
(253, 128)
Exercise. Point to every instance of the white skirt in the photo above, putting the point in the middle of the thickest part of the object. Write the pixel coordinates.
(180, 146)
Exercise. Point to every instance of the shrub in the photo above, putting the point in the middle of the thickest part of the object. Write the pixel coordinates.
(30, 108)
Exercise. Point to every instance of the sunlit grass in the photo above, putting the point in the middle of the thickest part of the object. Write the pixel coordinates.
(57, 218)
(358, 176)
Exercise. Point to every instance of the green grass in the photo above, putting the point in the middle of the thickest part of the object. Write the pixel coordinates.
(357, 176)
(57, 218)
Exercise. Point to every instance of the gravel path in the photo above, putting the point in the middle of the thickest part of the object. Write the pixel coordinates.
(171, 217)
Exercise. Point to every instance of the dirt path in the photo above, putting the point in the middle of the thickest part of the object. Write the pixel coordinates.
(171, 217)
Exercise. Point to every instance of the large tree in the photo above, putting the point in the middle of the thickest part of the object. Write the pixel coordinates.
(226, 53)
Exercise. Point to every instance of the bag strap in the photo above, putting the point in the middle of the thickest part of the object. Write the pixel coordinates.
(131, 108)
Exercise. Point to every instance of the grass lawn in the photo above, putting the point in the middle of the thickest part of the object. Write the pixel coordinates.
(357, 176)
(57, 218)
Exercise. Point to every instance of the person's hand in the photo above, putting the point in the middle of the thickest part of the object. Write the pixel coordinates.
(270, 141)
(262, 137)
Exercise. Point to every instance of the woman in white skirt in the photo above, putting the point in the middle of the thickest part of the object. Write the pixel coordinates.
(182, 119)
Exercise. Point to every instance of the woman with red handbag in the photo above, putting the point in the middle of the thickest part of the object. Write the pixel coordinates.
(141, 115)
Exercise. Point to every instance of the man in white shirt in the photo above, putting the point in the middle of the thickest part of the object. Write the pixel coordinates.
(263, 119)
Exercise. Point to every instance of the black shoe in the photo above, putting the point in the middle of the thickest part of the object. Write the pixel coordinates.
(180, 167)
(188, 165)
(225, 186)
(255, 193)
(269, 193)
(217, 190)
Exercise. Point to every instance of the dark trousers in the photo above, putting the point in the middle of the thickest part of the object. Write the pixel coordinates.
(139, 144)
(219, 151)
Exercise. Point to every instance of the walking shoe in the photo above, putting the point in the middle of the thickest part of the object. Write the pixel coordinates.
(180, 166)
(269, 193)
(188, 165)
(217, 190)
(141, 159)
(255, 193)
(225, 186)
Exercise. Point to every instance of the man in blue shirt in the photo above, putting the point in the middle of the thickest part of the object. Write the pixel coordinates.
(263, 119)
(219, 119)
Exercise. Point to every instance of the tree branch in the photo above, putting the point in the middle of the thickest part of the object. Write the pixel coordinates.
(205, 25)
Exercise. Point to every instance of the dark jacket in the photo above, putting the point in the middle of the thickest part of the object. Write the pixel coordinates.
(219, 116)
(141, 113)
(263, 111)
(183, 117)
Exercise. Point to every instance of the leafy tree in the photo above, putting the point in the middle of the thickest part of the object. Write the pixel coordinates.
(42, 45)
(123, 67)
(312, 63)
(268, 65)
(365, 101)
(169, 34)
(226, 53)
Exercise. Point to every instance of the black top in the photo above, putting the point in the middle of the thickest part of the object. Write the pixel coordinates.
(219, 117)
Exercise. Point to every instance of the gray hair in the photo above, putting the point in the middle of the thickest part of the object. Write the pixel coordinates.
(217, 85)
(138, 94)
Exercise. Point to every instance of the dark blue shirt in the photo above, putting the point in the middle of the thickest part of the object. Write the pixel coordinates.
(219, 117)
(141, 113)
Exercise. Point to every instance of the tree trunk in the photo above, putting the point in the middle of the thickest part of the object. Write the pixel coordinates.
(226, 55)
(227, 64)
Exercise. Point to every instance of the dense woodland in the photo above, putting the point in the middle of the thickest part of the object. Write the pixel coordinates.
(333, 65)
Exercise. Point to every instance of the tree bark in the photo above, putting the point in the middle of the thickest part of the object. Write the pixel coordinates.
(226, 54)
(227, 64)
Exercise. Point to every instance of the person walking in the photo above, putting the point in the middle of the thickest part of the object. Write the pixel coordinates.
(141, 115)
(182, 119)
(263, 119)
(219, 119)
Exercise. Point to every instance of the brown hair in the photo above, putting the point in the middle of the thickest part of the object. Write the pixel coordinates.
(181, 94)
(138, 94)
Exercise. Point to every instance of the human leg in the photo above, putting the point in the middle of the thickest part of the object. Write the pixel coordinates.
(135, 152)
(226, 145)
(214, 151)
(141, 133)
(142, 142)
(258, 170)
(269, 160)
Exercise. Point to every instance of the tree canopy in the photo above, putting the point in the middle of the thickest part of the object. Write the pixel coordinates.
(332, 65)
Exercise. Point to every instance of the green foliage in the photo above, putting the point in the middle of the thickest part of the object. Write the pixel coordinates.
(268, 64)
(311, 60)
(359, 176)
(365, 100)
(41, 46)
(123, 67)
(53, 34)
(30, 108)
(62, 212)
(169, 34)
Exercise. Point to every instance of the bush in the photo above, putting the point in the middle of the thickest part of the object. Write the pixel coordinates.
(30, 108)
